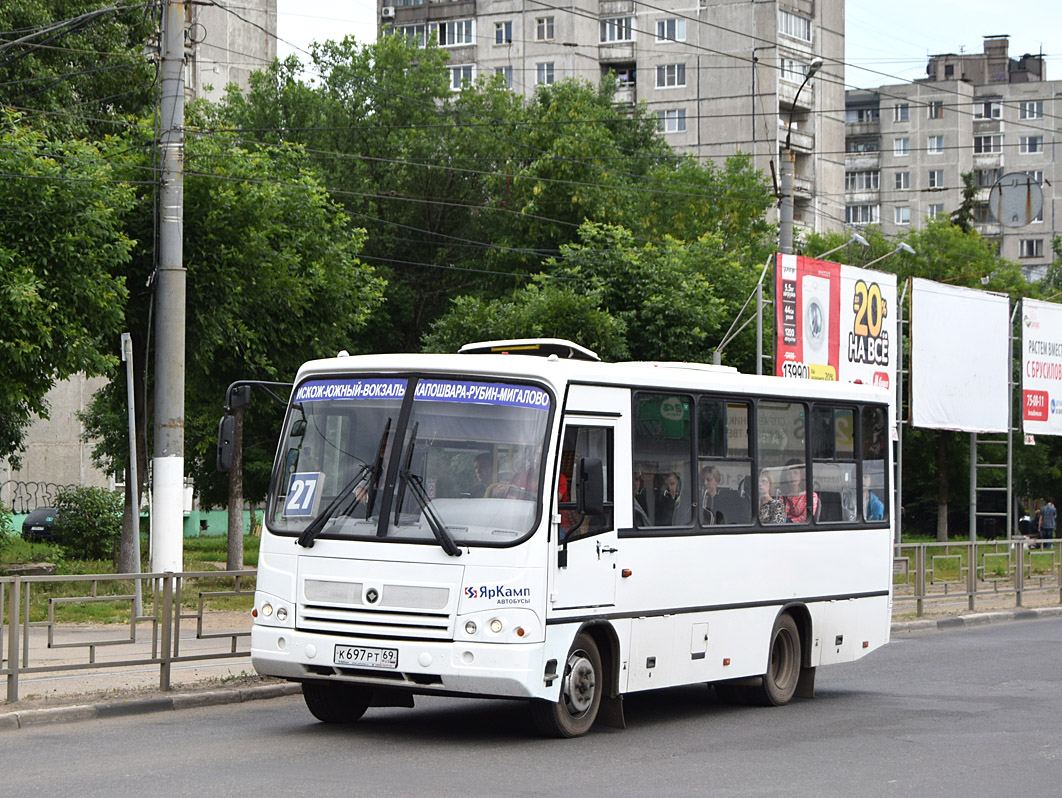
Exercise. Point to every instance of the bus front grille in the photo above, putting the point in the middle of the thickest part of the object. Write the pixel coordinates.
(360, 622)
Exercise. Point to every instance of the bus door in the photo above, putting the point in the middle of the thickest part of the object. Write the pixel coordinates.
(584, 557)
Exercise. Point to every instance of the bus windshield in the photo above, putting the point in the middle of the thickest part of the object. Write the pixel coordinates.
(411, 460)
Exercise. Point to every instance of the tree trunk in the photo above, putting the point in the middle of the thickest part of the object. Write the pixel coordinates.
(942, 486)
(234, 561)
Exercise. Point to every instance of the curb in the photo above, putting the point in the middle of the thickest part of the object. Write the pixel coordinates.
(117, 709)
(976, 619)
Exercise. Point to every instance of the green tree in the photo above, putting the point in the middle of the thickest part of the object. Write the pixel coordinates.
(76, 67)
(88, 522)
(62, 247)
(273, 280)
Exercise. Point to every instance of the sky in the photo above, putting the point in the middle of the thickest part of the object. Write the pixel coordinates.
(893, 45)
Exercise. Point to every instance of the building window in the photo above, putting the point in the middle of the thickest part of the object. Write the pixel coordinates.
(903, 214)
(861, 214)
(1030, 144)
(544, 73)
(936, 178)
(793, 25)
(861, 181)
(507, 75)
(671, 30)
(903, 181)
(936, 145)
(544, 28)
(625, 75)
(986, 178)
(901, 146)
(672, 120)
(981, 213)
(935, 210)
(861, 145)
(987, 144)
(861, 116)
(1033, 109)
(413, 34)
(901, 112)
(793, 70)
(990, 109)
(1031, 248)
(935, 109)
(455, 32)
(949, 70)
(459, 75)
(617, 29)
(670, 75)
(503, 32)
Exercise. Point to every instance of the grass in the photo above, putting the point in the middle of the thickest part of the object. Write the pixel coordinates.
(89, 601)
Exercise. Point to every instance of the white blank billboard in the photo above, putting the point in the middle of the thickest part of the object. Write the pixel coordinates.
(960, 358)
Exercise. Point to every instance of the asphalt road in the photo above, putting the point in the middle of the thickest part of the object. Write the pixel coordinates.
(970, 712)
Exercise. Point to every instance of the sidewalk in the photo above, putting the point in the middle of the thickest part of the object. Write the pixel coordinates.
(109, 693)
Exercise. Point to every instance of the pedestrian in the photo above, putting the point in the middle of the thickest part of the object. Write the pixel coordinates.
(1048, 513)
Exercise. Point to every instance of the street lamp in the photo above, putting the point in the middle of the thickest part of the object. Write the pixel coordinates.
(855, 239)
(785, 221)
(901, 247)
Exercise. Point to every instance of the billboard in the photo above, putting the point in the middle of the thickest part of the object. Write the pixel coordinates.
(960, 358)
(1041, 367)
(834, 322)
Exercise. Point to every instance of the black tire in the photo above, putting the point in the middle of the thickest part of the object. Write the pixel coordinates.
(580, 695)
(336, 702)
(783, 667)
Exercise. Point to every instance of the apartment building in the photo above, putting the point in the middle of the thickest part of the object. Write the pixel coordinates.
(986, 114)
(722, 76)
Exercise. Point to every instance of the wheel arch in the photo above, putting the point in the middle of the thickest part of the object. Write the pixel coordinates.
(802, 617)
(608, 646)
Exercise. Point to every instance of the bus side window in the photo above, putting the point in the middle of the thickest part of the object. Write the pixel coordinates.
(665, 485)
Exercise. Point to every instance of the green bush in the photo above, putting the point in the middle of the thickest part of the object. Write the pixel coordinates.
(6, 529)
(88, 522)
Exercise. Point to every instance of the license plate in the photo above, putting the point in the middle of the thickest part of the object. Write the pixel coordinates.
(363, 657)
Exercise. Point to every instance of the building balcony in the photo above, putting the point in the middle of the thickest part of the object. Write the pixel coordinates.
(798, 140)
(988, 160)
(615, 51)
(987, 125)
(862, 161)
(626, 96)
(803, 187)
(862, 128)
(787, 94)
(989, 229)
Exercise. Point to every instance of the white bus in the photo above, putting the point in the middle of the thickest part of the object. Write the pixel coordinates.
(522, 521)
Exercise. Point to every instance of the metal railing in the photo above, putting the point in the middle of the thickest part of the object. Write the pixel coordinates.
(981, 575)
(43, 622)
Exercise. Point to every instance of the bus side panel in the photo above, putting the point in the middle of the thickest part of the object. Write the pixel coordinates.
(853, 628)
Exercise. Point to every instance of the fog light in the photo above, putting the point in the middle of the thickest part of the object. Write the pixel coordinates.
(470, 627)
(495, 626)
(267, 610)
(282, 614)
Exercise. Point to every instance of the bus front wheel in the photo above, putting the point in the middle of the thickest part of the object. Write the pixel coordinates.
(580, 695)
(783, 668)
(336, 702)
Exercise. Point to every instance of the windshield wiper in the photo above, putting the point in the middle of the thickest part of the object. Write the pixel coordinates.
(314, 529)
(416, 487)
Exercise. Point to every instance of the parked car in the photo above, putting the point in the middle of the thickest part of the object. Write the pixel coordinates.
(39, 525)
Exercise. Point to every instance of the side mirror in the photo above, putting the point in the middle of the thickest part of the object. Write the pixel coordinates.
(590, 496)
(226, 435)
(239, 396)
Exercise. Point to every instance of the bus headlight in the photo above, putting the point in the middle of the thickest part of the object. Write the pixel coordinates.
(495, 625)
(470, 627)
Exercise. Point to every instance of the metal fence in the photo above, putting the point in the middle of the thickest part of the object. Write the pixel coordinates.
(983, 575)
(43, 626)
(60, 624)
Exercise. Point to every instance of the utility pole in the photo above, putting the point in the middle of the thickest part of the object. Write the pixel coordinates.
(168, 457)
(785, 212)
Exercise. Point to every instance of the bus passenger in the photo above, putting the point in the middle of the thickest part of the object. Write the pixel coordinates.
(771, 509)
(668, 499)
(795, 495)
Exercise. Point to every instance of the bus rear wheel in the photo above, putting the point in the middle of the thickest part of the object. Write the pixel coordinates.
(783, 668)
(336, 702)
(580, 695)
